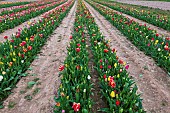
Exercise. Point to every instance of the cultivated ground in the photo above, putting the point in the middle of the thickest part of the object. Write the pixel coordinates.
(155, 4)
(152, 81)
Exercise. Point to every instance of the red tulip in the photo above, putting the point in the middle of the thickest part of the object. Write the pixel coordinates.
(117, 102)
(11, 40)
(101, 60)
(77, 49)
(152, 39)
(82, 40)
(78, 45)
(76, 106)
(166, 47)
(113, 50)
(104, 76)
(5, 37)
(109, 66)
(120, 61)
(101, 66)
(61, 68)
(77, 67)
(29, 48)
(106, 50)
(23, 43)
(17, 35)
(112, 83)
(71, 37)
(157, 34)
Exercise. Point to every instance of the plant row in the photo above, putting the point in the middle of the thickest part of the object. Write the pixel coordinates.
(116, 86)
(17, 54)
(14, 9)
(14, 19)
(13, 4)
(154, 18)
(141, 36)
(75, 89)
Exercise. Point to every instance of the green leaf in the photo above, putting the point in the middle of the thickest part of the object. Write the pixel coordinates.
(31, 84)
(7, 89)
(84, 111)
(30, 68)
(140, 75)
(104, 109)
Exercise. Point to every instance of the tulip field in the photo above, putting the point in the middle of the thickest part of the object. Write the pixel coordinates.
(83, 56)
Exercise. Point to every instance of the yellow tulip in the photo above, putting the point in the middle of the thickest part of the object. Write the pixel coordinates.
(118, 75)
(14, 59)
(115, 65)
(112, 94)
(1, 63)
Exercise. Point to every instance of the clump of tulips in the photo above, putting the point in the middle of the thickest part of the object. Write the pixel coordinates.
(17, 54)
(152, 17)
(75, 89)
(141, 36)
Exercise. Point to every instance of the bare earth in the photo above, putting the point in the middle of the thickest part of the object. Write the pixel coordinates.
(152, 81)
(155, 4)
(46, 69)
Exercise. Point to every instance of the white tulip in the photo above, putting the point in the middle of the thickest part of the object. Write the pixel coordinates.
(1, 77)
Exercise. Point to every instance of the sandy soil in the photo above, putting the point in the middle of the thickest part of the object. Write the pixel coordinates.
(155, 4)
(9, 32)
(152, 81)
(46, 69)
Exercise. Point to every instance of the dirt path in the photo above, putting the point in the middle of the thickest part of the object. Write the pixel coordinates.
(154, 4)
(161, 31)
(9, 32)
(44, 72)
(152, 81)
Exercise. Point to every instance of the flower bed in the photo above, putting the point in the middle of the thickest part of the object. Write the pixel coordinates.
(14, 9)
(13, 4)
(116, 86)
(17, 54)
(141, 36)
(14, 19)
(151, 17)
(75, 89)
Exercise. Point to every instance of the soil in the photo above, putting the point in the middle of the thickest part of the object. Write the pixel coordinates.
(152, 81)
(154, 4)
(9, 32)
(44, 70)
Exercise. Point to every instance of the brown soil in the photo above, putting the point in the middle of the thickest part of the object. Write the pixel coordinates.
(161, 31)
(154, 4)
(46, 69)
(9, 32)
(152, 81)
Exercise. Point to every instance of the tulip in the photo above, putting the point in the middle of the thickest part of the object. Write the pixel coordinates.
(77, 49)
(61, 68)
(112, 94)
(5, 37)
(106, 50)
(117, 102)
(76, 106)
